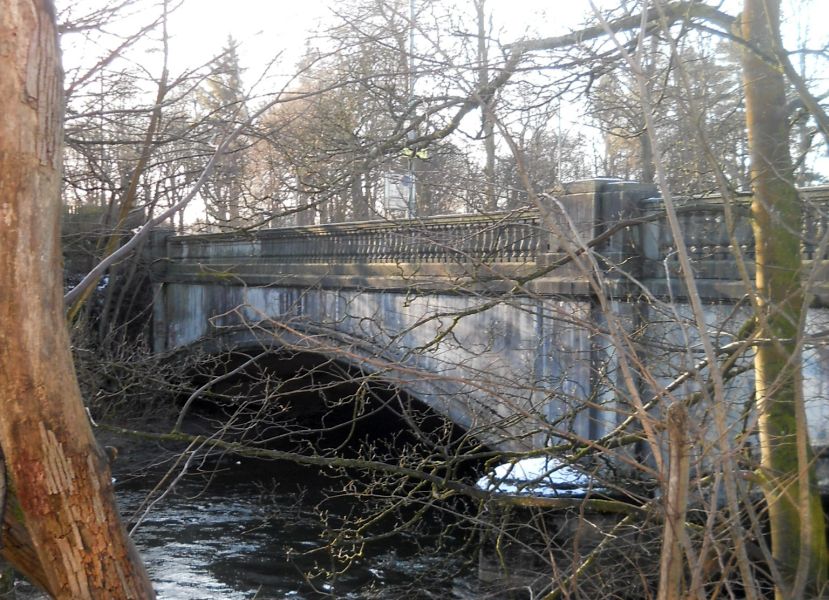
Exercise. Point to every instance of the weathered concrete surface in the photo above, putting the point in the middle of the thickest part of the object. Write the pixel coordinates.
(493, 372)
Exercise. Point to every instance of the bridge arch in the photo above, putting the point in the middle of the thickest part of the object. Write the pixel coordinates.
(362, 392)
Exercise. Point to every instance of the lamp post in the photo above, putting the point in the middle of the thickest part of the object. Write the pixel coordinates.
(411, 204)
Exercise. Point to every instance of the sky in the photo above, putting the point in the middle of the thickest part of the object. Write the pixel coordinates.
(263, 28)
(266, 29)
(270, 28)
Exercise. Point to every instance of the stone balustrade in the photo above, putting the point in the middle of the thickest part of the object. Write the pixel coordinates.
(498, 237)
(512, 244)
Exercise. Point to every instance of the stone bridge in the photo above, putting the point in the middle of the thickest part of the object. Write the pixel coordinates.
(525, 327)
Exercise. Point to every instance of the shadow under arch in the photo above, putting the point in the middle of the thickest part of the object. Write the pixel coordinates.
(316, 387)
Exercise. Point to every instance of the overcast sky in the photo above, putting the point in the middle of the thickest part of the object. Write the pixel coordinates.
(266, 28)
(269, 28)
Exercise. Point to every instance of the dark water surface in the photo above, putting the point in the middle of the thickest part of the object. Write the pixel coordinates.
(245, 532)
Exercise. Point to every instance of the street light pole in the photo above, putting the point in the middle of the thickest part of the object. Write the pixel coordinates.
(412, 200)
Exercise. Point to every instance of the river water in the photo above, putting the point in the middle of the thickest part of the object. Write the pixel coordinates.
(252, 530)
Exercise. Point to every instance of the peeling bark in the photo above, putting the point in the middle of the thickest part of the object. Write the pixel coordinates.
(61, 527)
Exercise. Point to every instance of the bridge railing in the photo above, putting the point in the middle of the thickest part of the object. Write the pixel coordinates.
(705, 226)
(499, 237)
(525, 236)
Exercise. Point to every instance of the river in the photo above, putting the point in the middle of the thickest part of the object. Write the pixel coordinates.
(245, 529)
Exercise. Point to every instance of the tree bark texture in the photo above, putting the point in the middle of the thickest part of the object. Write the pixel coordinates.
(676, 504)
(795, 513)
(61, 527)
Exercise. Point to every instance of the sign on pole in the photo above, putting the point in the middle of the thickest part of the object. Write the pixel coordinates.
(399, 190)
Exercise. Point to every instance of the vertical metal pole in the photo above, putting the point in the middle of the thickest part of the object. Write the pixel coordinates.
(559, 145)
(412, 207)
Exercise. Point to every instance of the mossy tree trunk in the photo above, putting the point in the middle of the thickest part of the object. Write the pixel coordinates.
(795, 514)
(60, 527)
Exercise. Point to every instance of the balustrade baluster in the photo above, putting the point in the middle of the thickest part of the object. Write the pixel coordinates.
(404, 245)
(310, 251)
(524, 242)
(503, 237)
(410, 245)
(534, 237)
(337, 248)
(389, 248)
(287, 248)
(500, 247)
(394, 251)
(431, 238)
(434, 243)
(480, 244)
(394, 246)
(474, 242)
(460, 243)
(425, 243)
(358, 246)
(350, 246)
(454, 243)
(418, 245)
(512, 240)
(316, 248)
(371, 246)
(437, 242)
(282, 248)
(470, 242)
(446, 244)
(496, 242)
(383, 251)
(376, 248)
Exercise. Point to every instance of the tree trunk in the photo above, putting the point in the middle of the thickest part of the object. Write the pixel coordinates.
(794, 509)
(676, 504)
(61, 527)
